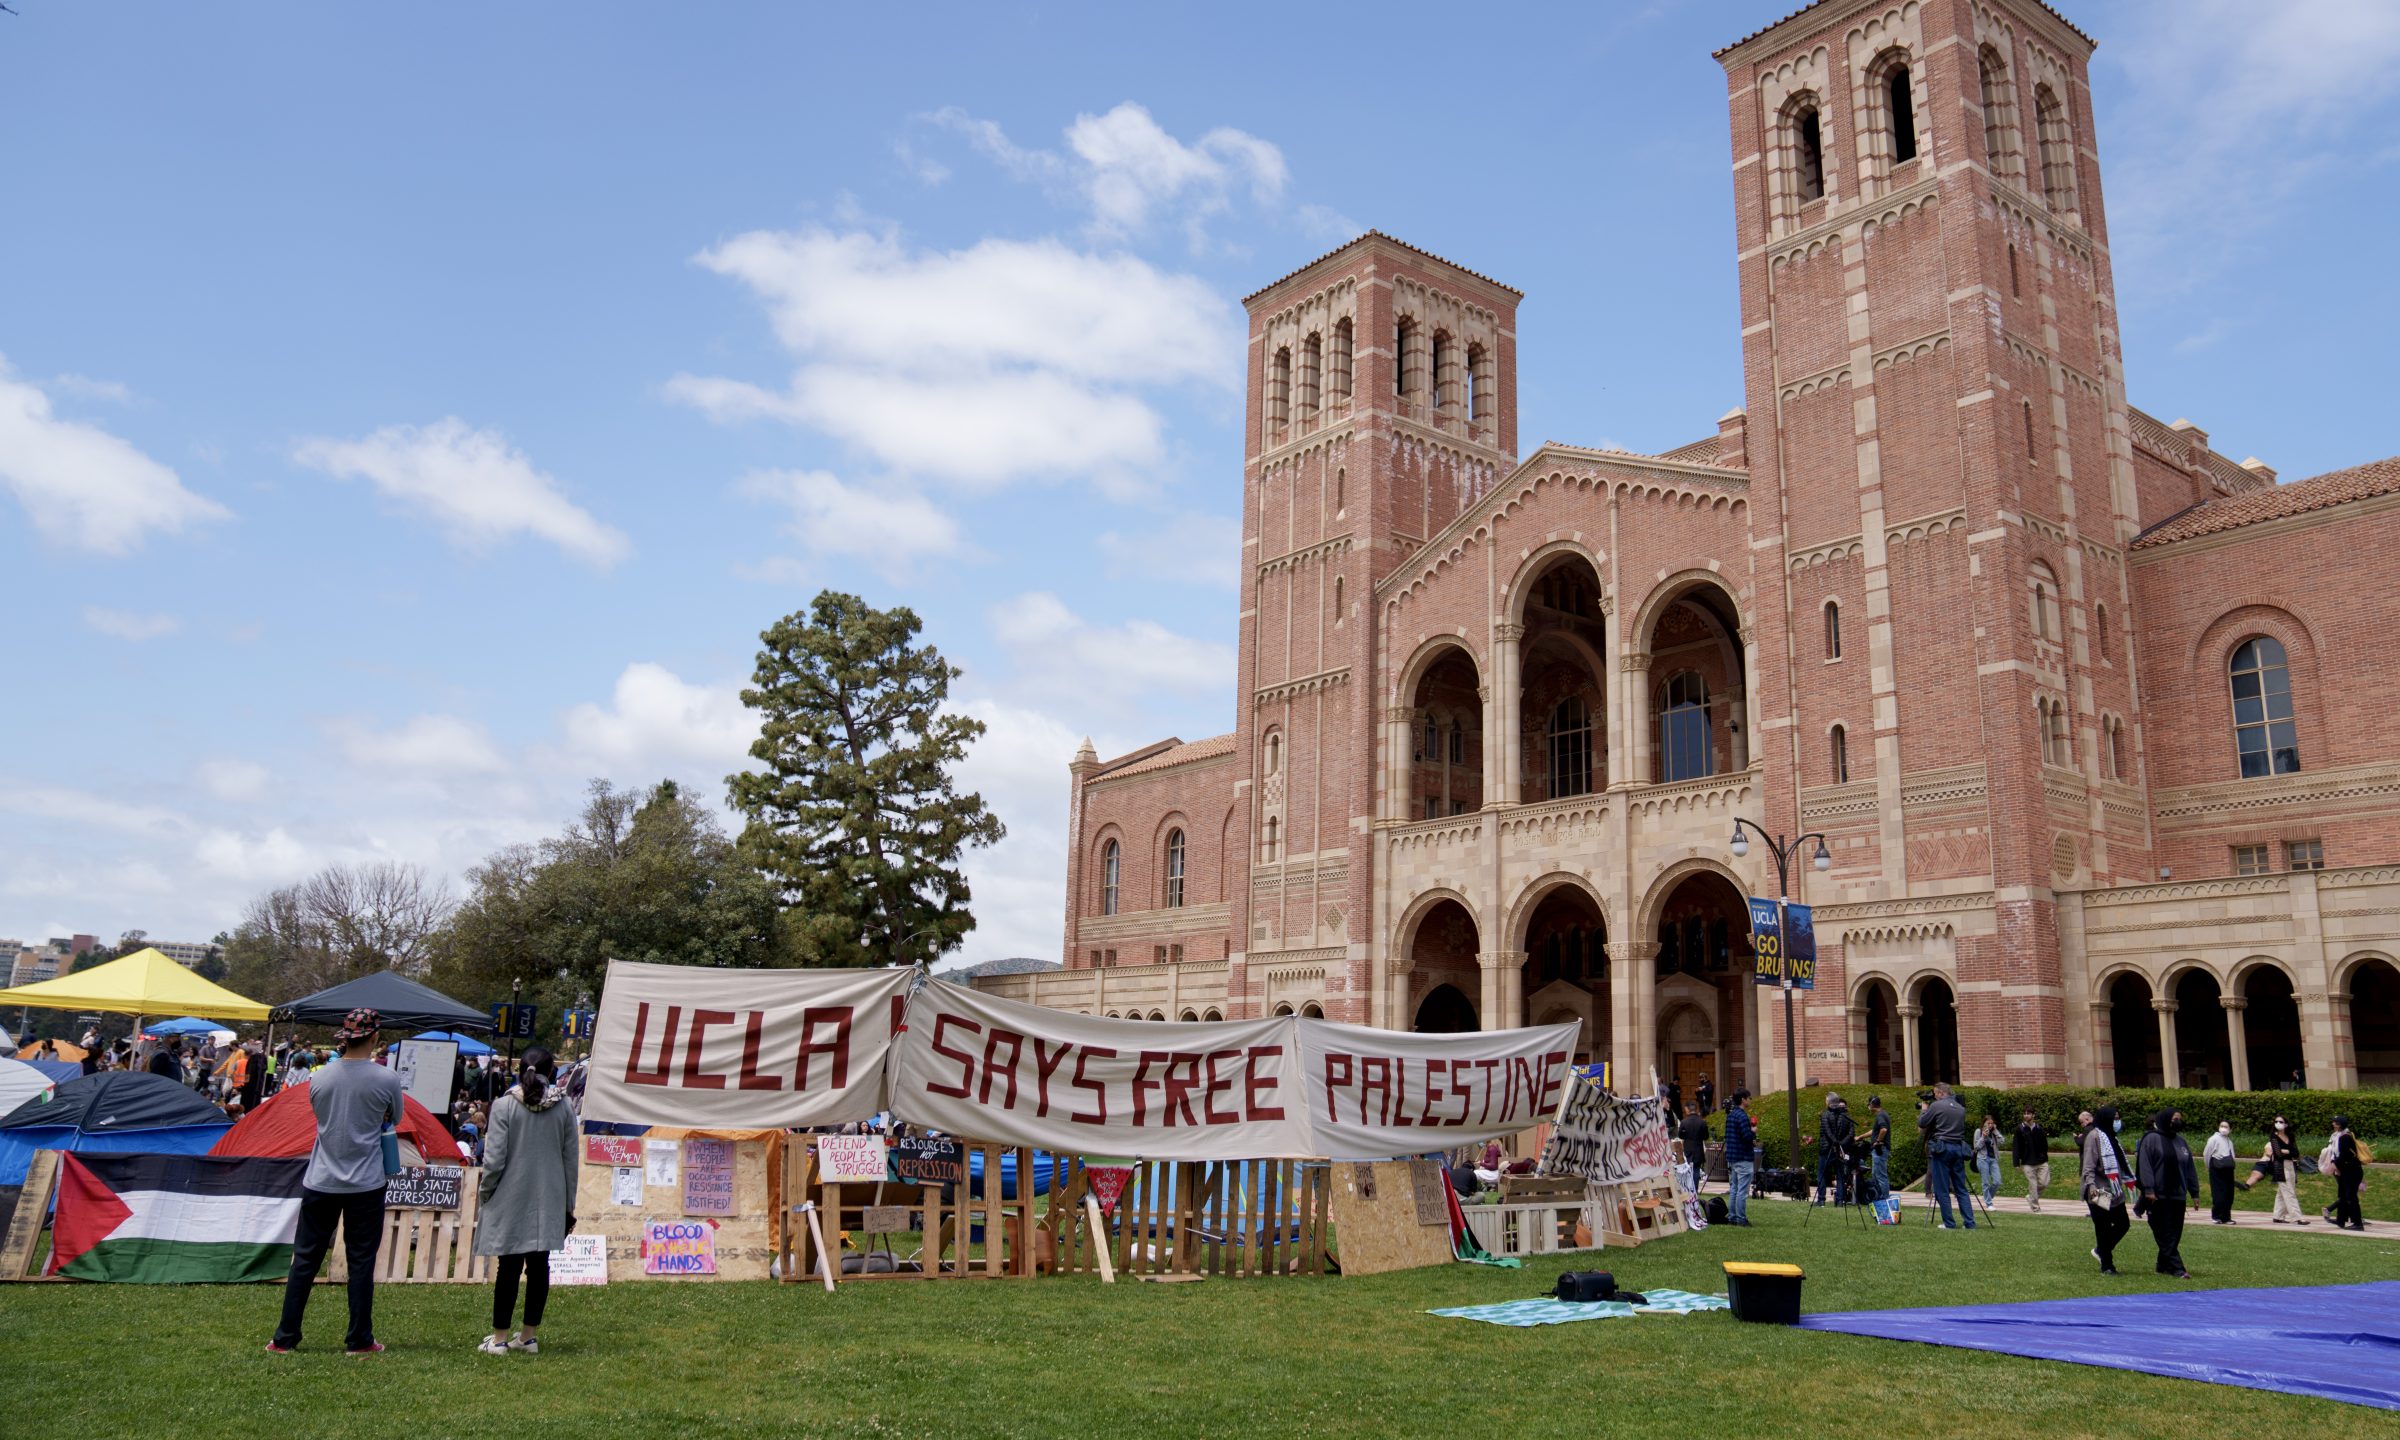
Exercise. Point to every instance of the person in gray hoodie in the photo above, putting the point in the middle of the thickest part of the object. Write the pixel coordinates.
(528, 1194)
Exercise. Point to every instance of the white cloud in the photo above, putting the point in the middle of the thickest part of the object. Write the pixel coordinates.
(84, 810)
(1019, 767)
(890, 528)
(1127, 171)
(657, 719)
(472, 482)
(116, 392)
(425, 745)
(239, 781)
(1193, 549)
(128, 624)
(83, 486)
(1053, 648)
(271, 858)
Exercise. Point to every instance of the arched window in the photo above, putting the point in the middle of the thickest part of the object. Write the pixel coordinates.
(2016, 284)
(2112, 751)
(1900, 106)
(2101, 641)
(1833, 630)
(1267, 839)
(1343, 331)
(1279, 394)
(2044, 600)
(1341, 483)
(2033, 456)
(1808, 152)
(1998, 152)
(1684, 749)
(1479, 384)
(2058, 746)
(1312, 370)
(2058, 149)
(1174, 869)
(1274, 752)
(1404, 338)
(1337, 599)
(2264, 733)
(1840, 755)
(1109, 858)
(1570, 748)
(1442, 363)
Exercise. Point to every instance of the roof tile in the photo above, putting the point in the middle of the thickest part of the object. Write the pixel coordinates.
(1208, 749)
(2274, 502)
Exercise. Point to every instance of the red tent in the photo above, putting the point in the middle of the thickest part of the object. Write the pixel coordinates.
(285, 1126)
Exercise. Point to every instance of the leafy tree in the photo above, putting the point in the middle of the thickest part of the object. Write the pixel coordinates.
(854, 814)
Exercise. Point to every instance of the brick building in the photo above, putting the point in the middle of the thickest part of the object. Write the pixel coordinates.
(2091, 718)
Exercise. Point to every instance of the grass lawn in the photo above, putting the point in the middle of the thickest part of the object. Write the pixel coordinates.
(1050, 1357)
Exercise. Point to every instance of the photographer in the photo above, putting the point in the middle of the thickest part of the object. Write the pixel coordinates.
(1879, 1146)
(1835, 1130)
(1942, 1120)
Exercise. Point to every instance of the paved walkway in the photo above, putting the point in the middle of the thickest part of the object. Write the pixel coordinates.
(2062, 1204)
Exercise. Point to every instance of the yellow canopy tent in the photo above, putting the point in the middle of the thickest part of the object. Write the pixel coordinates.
(143, 983)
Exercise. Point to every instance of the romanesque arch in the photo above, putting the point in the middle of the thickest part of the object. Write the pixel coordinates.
(1560, 926)
(1437, 945)
(1558, 704)
(1696, 916)
(2203, 1052)
(1443, 697)
(2132, 1028)
(1880, 1037)
(1937, 1027)
(2271, 1043)
(1695, 685)
(2371, 981)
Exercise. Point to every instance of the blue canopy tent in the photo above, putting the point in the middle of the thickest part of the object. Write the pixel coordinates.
(116, 1111)
(188, 1025)
(468, 1046)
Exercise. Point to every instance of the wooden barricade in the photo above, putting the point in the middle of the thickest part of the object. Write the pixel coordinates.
(24, 1233)
(1637, 1211)
(1191, 1218)
(1535, 1215)
(942, 1218)
(433, 1246)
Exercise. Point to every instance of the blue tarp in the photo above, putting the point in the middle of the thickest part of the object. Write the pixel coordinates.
(2337, 1342)
(17, 1146)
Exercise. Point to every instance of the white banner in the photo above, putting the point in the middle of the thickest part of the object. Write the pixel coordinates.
(1373, 1094)
(1607, 1140)
(998, 1070)
(745, 1049)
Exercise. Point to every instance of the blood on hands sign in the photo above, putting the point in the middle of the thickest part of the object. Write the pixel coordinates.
(682, 1045)
(1374, 1093)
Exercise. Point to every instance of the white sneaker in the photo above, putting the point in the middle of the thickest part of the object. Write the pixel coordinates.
(489, 1346)
(521, 1344)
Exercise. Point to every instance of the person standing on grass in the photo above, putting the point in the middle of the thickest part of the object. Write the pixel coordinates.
(2105, 1179)
(1879, 1147)
(2349, 1167)
(1693, 1132)
(2160, 1164)
(1741, 1156)
(1834, 1131)
(2220, 1156)
(2030, 1148)
(1987, 1158)
(354, 1099)
(528, 1194)
(1943, 1124)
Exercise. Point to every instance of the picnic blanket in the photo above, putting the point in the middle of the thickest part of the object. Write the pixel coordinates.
(1545, 1311)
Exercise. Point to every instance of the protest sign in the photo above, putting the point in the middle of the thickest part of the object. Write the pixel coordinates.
(708, 1177)
(426, 1068)
(848, 1159)
(625, 1185)
(679, 1247)
(1108, 1183)
(1370, 1093)
(612, 1150)
(925, 1160)
(658, 1162)
(422, 1187)
(752, 1049)
(1606, 1140)
(583, 1260)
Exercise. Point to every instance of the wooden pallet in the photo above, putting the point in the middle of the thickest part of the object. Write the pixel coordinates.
(1641, 1210)
(1535, 1215)
(944, 1218)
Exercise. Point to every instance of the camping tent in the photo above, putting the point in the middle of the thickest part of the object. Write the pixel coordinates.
(67, 1050)
(122, 1111)
(20, 1082)
(287, 1125)
(403, 1004)
(143, 983)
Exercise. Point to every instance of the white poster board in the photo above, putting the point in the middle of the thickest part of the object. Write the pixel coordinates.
(583, 1260)
(426, 1068)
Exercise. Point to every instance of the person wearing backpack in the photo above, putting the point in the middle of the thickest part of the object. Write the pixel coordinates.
(2348, 1168)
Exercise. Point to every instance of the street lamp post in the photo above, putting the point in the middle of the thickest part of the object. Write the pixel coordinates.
(1783, 850)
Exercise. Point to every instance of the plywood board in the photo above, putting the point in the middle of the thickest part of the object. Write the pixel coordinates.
(745, 1241)
(1375, 1224)
(25, 1224)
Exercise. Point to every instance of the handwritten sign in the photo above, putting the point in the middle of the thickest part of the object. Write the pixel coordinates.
(583, 1260)
(1607, 1140)
(708, 1177)
(659, 1158)
(926, 1160)
(886, 1219)
(612, 1150)
(845, 1159)
(1108, 1183)
(679, 1247)
(423, 1187)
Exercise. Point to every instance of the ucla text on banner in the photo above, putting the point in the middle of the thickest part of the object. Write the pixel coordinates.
(684, 1045)
(999, 1070)
(1376, 1093)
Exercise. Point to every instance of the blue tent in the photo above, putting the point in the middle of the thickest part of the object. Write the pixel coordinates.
(188, 1025)
(117, 1112)
(468, 1046)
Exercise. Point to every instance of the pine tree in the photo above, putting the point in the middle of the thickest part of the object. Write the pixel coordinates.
(854, 815)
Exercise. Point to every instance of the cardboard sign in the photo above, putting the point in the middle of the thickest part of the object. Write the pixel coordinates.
(583, 1260)
(888, 1219)
(679, 1247)
(849, 1159)
(925, 1160)
(708, 1177)
(612, 1150)
(1108, 1183)
(426, 1068)
(423, 1187)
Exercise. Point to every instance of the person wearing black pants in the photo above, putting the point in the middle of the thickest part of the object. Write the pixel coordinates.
(2348, 1170)
(2104, 1181)
(360, 1214)
(528, 1192)
(2161, 1163)
(354, 1100)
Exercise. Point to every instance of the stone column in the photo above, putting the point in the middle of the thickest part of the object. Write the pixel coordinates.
(2327, 1046)
(1749, 685)
(1504, 730)
(1858, 1073)
(1632, 1012)
(1737, 722)
(2168, 1061)
(1636, 718)
(1396, 1014)
(2237, 1038)
(1489, 1005)
(1504, 979)
(1397, 722)
(2104, 1043)
(1419, 366)
(1910, 1068)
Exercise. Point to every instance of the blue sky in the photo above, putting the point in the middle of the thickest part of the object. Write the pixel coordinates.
(411, 412)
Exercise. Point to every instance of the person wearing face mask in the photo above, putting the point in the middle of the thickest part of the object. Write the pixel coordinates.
(2162, 1163)
(2348, 1168)
(2279, 1162)
(2220, 1157)
(2105, 1181)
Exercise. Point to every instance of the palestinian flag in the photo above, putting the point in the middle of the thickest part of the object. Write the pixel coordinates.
(175, 1219)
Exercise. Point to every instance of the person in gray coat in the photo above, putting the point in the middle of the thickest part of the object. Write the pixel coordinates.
(528, 1194)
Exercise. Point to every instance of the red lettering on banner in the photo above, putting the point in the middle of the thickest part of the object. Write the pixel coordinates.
(1375, 1078)
(1338, 1071)
(1433, 1091)
(1143, 1083)
(1179, 1090)
(1554, 1072)
(753, 1035)
(1254, 1081)
(836, 1049)
(1043, 1064)
(1487, 1067)
(1215, 1085)
(1099, 1091)
(693, 1040)
(965, 1059)
(634, 1075)
(1006, 1071)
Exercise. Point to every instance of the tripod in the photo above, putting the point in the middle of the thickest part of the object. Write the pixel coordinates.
(1849, 1190)
(1974, 1199)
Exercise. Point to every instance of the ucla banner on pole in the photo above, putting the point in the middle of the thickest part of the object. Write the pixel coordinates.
(1000, 1070)
(684, 1045)
(1374, 1093)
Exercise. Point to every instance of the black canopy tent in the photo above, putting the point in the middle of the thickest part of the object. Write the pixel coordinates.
(403, 1004)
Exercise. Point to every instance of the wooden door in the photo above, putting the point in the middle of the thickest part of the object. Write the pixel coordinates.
(1690, 1070)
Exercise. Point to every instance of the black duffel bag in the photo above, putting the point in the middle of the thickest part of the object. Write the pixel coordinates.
(1582, 1287)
